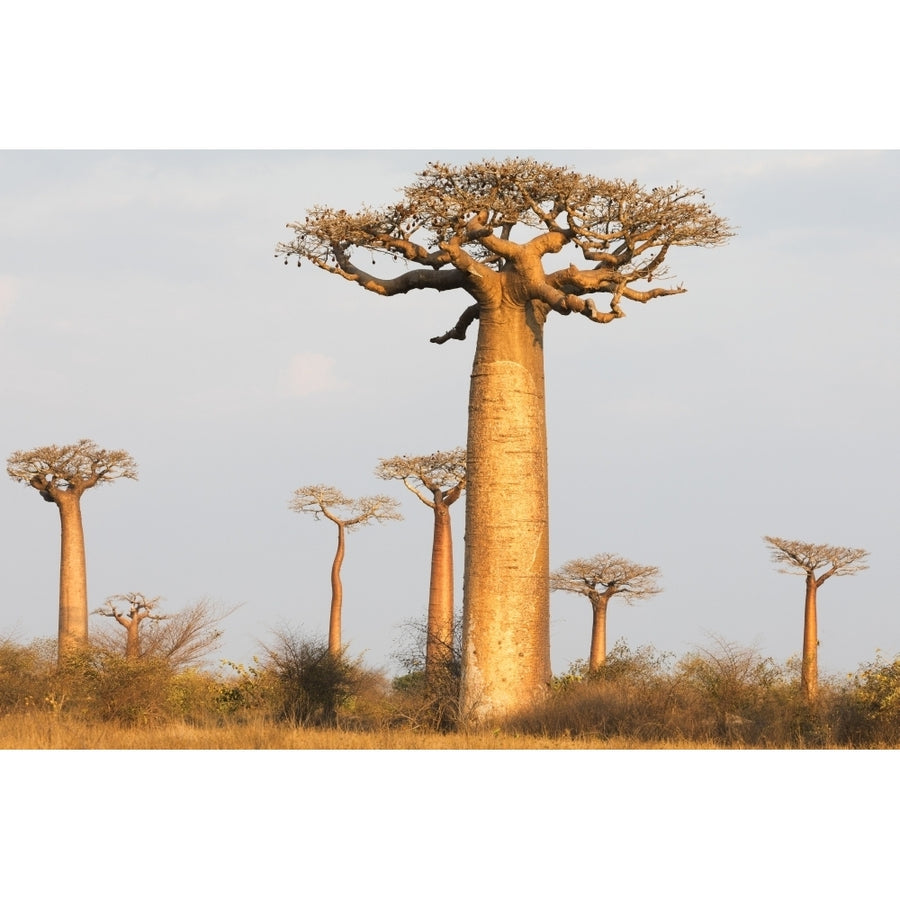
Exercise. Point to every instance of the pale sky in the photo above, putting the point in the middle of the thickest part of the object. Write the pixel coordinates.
(141, 306)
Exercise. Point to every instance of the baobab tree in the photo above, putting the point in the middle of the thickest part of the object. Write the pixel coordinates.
(137, 609)
(437, 480)
(181, 639)
(800, 558)
(485, 229)
(348, 515)
(601, 578)
(61, 475)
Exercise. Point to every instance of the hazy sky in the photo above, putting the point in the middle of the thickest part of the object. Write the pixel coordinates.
(141, 306)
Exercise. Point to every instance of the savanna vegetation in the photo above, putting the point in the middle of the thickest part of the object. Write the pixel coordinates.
(297, 695)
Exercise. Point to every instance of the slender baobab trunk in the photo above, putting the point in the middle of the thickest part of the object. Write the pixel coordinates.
(809, 667)
(337, 596)
(598, 634)
(439, 641)
(73, 604)
(506, 608)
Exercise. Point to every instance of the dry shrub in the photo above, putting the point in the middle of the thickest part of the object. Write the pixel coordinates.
(312, 686)
(867, 711)
(427, 701)
(628, 697)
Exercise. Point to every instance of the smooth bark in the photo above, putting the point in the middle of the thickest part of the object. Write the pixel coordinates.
(809, 666)
(506, 608)
(439, 642)
(598, 633)
(73, 602)
(337, 594)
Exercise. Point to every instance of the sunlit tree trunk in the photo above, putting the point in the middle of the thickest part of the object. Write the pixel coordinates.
(809, 670)
(598, 633)
(73, 603)
(506, 608)
(337, 596)
(133, 639)
(439, 643)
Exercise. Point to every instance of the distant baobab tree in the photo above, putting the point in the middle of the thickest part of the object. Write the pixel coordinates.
(438, 480)
(800, 558)
(347, 514)
(61, 474)
(601, 578)
(490, 231)
(180, 639)
(137, 609)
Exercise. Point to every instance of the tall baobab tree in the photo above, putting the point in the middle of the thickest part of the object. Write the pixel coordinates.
(61, 475)
(486, 229)
(437, 480)
(800, 558)
(601, 578)
(139, 608)
(347, 514)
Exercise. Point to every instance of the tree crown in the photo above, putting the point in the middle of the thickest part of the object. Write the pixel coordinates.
(461, 225)
(606, 574)
(54, 470)
(325, 500)
(441, 472)
(801, 558)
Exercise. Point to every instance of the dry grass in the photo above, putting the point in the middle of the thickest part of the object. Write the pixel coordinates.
(48, 732)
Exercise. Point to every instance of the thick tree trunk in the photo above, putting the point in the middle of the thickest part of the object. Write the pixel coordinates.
(73, 603)
(598, 635)
(439, 641)
(506, 605)
(133, 639)
(809, 667)
(337, 596)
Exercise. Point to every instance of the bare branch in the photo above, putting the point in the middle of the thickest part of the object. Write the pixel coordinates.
(458, 331)
(801, 558)
(327, 501)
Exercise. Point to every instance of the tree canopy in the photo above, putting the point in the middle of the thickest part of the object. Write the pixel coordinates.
(457, 226)
(71, 468)
(333, 504)
(801, 558)
(442, 473)
(606, 574)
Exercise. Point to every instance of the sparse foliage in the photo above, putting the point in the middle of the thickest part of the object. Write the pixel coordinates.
(817, 563)
(139, 608)
(429, 697)
(181, 639)
(61, 474)
(485, 229)
(347, 514)
(600, 578)
(438, 480)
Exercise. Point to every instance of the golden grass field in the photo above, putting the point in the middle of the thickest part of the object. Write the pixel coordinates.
(40, 732)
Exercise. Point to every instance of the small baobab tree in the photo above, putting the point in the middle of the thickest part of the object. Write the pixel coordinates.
(800, 558)
(135, 608)
(490, 230)
(601, 578)
(437, 480)
(347, 514)
(61, 475)
(181, 639)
